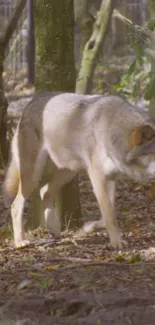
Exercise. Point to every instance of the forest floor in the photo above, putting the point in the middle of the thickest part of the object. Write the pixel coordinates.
(80, 280)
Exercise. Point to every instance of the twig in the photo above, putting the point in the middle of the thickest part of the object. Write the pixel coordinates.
(72, 259)
(96, 299)
(130, 23)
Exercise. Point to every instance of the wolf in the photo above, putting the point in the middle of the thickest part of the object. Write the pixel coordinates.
(60, 134)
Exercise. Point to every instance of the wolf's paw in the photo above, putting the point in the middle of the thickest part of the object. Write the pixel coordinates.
(54, 230)
(22, 243)
(116, 240)
(56, 235)
(53, 224)
(88, 227)
(92, 226)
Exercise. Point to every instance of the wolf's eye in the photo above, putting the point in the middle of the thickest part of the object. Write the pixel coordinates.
(147, 134)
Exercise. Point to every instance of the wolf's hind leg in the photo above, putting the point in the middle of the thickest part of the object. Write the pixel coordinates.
(17, 208)
(26, 187)
(29, 177)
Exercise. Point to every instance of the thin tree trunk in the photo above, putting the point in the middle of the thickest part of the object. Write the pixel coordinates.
(3, 113)
(152, 14)
(92, 47)
(31, 43)
(84, 14)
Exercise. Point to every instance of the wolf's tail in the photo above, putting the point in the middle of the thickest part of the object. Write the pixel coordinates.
(11, 183)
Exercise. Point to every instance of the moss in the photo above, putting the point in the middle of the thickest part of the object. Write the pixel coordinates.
(55, 68)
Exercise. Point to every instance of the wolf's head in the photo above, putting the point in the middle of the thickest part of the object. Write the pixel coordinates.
(141, 153)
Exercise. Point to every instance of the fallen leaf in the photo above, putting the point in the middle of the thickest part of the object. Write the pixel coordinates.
(35, 274)
(139, 189)
(24, 284)
(125, 210)
(137, 231)
(52, 267)
(150, 195)
(153, 187)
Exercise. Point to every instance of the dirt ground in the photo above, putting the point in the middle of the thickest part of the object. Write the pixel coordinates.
(81, 280)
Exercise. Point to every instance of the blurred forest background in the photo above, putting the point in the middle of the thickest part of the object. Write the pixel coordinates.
(124, 42)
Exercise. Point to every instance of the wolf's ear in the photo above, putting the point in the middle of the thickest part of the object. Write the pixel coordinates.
(141, 135)
(141, 142)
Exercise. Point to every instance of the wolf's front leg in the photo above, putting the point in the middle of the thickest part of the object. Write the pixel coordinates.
(105, 194)
(96, 225)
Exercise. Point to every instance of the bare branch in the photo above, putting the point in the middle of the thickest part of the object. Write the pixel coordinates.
(12, 24)
(125, 20)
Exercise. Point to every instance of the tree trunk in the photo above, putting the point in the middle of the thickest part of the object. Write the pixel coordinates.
(3, 114)
(55, 71)
(31, 43)
(92, 47)
(152, 15)
(55, 68)
(5, 35)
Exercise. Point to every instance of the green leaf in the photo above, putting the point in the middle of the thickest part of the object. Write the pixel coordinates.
(125, 209)
(120, 258)
(150, 90)
(136, 89)
(151, 24)
(134, 258)
(44, 283)
(116, 87)
(140, 60)
(126, 78)
(139, 49)
(132, 67)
